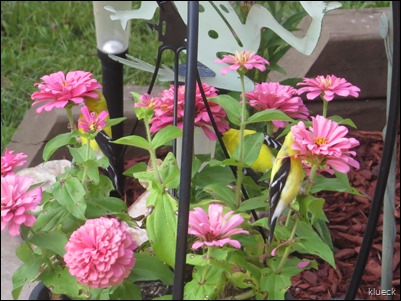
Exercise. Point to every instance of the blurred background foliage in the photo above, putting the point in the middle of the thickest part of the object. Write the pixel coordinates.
(42, 37)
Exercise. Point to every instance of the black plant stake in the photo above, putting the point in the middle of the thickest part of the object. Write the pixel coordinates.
(389, 142)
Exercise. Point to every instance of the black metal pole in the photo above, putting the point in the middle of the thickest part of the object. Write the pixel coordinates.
(389, 142)
(113, 91)
(187, 151)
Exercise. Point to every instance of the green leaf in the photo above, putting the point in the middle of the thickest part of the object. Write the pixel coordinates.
(268, 115)
(97, 207)
(197, 260)
(114, 121)
(57, 142)
(81, 154)
(54, 241)
(161, 226)
(252, 144)
(134, 140)
(258, 202)
(213, 174)
(223, 193)
(231, 106)
(140, 167)
(25, 274)
(151, 268)
(52, 215)
(275, 284)
(340, 183)
(62, 282)
(126, 291)
(342, 121)
(165, 135)
(169, 172)
(70, 194)
(207, 287)
(312, 208)
(310, 243)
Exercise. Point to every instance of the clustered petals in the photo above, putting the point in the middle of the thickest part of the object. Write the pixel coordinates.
(275, 96)
(9, 161)
(91, 121)
(214, 228)
(163, 106)
(57, 90)
(325, 144)
(242, 62)
(100, 253)
(16, 202)
(327, 87)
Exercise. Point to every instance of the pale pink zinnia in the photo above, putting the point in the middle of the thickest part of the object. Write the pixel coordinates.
(9, 162)
(57, 89)
(214, 228)
(242, 62)
(325, 145)
(100, 253)
(327, 87)
(163, 106)
(91, 121)
(275, 96)
(16, 202)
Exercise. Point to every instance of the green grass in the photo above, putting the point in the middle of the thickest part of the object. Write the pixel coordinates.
(42, 37)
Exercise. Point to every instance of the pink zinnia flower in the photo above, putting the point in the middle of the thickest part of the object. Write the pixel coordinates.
(242, 61)
(16, 201)
(275, 96)
(92, 122)
(58, 90)
(9, 162)
(100, 253)
(164, 110)
(325, 144)
(327, 87)
(215, 229)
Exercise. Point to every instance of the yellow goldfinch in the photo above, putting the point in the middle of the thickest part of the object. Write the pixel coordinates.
(286, 177)
(265, 160)
(96, 105)
(101, 144)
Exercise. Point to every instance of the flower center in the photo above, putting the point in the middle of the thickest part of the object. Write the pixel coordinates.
(320, 141)
(327, 82)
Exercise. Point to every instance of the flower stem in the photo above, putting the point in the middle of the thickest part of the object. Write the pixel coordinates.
(241, 146)
(85, 172)
(152, 153)
(287, 249)
(325, 106)
(311, 179)
(206, 269)
(70, 118)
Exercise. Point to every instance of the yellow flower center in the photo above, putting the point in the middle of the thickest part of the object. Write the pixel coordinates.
(320, 141)
(327, 82)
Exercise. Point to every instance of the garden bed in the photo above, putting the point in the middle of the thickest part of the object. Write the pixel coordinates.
(348, 215)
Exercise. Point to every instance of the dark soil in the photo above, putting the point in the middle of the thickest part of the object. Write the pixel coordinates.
(348, 215)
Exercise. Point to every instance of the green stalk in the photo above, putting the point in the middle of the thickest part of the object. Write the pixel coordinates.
(152, 153)
(241, 146)
(70, 117)
(287, 249)
(208, 256)
(85, 172)
(311, 179)
(325, 106)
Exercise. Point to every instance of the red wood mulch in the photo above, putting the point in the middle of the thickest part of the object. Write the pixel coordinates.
(348, 215)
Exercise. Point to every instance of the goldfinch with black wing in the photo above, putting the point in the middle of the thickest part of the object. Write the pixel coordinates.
(285, 184)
